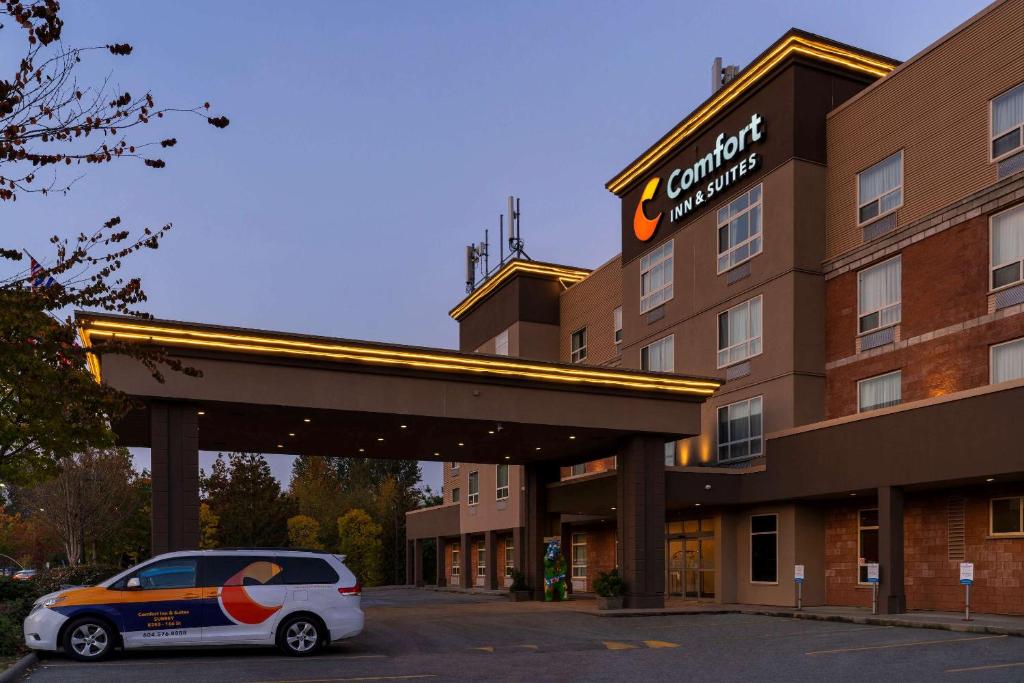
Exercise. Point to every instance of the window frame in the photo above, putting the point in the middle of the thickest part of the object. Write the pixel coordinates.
(617, 325)
(471, 497)
(510, 556)
(764, 533)
(749, 340)
(456, 494)
(578, 354)
(868, 379)
(453, 465)
(574, 473)
(501, 492)
(993, 136)
(481, 559)
(991, 518)
(760, 438)
(992, 357)
(992, 268)
(732, 248)
(670, 340)
(860, 549)
(859, 316)
(878, 199)
(456, 561)
(574, 565)
(644, 307)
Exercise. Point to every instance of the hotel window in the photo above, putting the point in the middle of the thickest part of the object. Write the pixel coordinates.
(501, 475)
(481, 559)
(1008, 361)
(879, 392)
(579, 556)
(764, 548)
(578, 343)
(739, 332)
(617, 319)
(1007, 248)
(659, 356)
(510, 562)
(739, 230)
(501, 344)
(577, 470)
(670, 453)
(474, 488)
(1007, 516)
(740, 430)
(656, 277)
(456, 495)
(867, 542)
(1008, 123)
(879, 295)
(453, 465)
(455, 560)
(880, 188)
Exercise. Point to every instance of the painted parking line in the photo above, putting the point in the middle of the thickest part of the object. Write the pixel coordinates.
(179, 662)
(659, 644)
(616, 645)
(806, 634)
(896, 645)
(484, 648)
(987, 667)
(407, 677)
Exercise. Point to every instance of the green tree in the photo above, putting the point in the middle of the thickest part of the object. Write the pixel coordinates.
(130, 543)
(318, 494)
(304, 532)
(245, 496)
(209, 527)
(359, 541)
(52, 125)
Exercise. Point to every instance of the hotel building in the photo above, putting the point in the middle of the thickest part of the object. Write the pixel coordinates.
(839, 238)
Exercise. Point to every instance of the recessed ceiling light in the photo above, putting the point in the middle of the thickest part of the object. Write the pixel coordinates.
(280, 445)
(508, 457)
(361, 450)
(696, 505)
(291, 433)
(402, 426)
(436, 454)
(306, 420)
(460, 443)
(613, 508)
(490, 431)
(991, 479)
(380, 438)
(853, 494)
(201, 412)
(537, 448)
(572, 436)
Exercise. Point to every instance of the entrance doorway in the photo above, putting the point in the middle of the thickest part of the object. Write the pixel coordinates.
(691, 559)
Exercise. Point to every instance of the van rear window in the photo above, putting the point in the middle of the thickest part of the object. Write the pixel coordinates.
(302, 570)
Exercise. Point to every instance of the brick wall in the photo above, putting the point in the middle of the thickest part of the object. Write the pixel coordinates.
(931, 579)
(591, 303)
(600, 551)
(592, 467)
(945, 283)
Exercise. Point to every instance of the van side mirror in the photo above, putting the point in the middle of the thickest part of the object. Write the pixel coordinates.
(134, 584)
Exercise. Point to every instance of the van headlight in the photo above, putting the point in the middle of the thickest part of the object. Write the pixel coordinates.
(53, 601)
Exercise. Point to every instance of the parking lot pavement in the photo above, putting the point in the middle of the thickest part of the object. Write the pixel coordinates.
(414, 635)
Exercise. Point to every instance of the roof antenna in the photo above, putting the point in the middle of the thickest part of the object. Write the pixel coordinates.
(516, 246)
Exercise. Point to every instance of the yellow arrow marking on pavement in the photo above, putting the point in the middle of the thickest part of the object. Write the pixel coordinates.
(485, 648)
(615, 645)
(655, 644)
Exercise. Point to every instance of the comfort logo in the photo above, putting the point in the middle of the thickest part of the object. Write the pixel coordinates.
(644, 227)
(235, 600)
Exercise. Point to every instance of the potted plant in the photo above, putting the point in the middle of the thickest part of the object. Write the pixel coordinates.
(609, 589)
(518, 592)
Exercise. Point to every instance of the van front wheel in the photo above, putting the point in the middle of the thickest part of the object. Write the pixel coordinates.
(300, 635)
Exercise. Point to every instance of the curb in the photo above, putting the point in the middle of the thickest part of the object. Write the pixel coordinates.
(885, 621)
(625, 613)
(16, 670)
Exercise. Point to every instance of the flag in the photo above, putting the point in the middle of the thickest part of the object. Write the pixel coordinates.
(39, 278)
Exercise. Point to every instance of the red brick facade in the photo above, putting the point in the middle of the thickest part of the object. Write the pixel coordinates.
(931, 578)
(600, 551)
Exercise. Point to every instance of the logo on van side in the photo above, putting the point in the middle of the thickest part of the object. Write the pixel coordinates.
(235, 600)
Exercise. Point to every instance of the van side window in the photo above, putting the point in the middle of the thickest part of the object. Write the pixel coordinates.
(176, 572)
(240, 570)
(303, 570)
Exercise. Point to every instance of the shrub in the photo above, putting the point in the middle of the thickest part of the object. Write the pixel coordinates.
(609, 584)
(50, 580)
(16, 598)
(518, 581)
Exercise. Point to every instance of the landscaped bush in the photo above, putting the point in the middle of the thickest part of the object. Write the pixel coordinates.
(49, 580)
(609, 584)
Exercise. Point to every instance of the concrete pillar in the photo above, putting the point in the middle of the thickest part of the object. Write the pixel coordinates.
(442, 580)
(565, 531)
(417, 562)
(174, 455)
(467, 573)
(491, 543)
(537, 523)
(641, 520)
(519, 548)
(892, 598)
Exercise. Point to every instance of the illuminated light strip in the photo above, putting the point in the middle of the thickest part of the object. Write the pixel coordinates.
(460, 361)
(640, 383)
(570, 275)
(752, 74)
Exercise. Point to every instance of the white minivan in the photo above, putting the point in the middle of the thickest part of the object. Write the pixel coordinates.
(296, 599)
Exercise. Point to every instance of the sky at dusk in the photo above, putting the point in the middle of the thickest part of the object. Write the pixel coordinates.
(371, 141)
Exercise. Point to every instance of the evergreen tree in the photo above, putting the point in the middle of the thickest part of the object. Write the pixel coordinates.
(247, 499)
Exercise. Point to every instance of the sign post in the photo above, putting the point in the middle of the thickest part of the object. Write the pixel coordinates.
(967, 579)
(873, 580)
(798, 577)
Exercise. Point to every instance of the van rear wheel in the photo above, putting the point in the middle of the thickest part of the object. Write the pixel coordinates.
(300, 635)
(89, 639)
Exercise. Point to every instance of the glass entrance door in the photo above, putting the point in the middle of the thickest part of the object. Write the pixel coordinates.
(691, 559)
